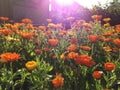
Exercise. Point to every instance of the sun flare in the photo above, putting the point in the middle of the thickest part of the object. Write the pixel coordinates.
(85, 3)
(90, 3)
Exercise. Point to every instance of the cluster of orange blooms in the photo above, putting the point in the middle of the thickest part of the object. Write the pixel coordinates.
(80, 59)
(107, 66)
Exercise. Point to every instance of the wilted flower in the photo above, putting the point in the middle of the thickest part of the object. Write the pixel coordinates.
(46, 49)
(86, 48)
(37, 51)
(54, 57)
(74, 40)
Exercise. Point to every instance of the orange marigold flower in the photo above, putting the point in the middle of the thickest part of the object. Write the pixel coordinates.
(53, 42)
(31, 65)
(5, 32)
(62, 32)
(106, 25)
(97, 17)
(26, 20)
(4, 18)
(117, 42)
(59, 26)
(84, 60)
(30, 26)
(106, 39)
(11, 21)
(58, 81)
(109, 66)
(43, 28)
(87, 48)
(107, 49)
(10, 56)
(88, 26)
(72, 47)
(118, 28)
(106, 19)
(72, 55)
(8, 25)
(93, 38)
(107, 34)
(14, 28)
(27, 35)
(97, 74)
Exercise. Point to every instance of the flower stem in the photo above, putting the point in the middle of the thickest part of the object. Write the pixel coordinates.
(118, 56)
(92, 49)
(11, 67)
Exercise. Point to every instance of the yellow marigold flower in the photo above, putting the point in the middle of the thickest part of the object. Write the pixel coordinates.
(31, 65)
(8, 38)
(51, 25)
(62, 56)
